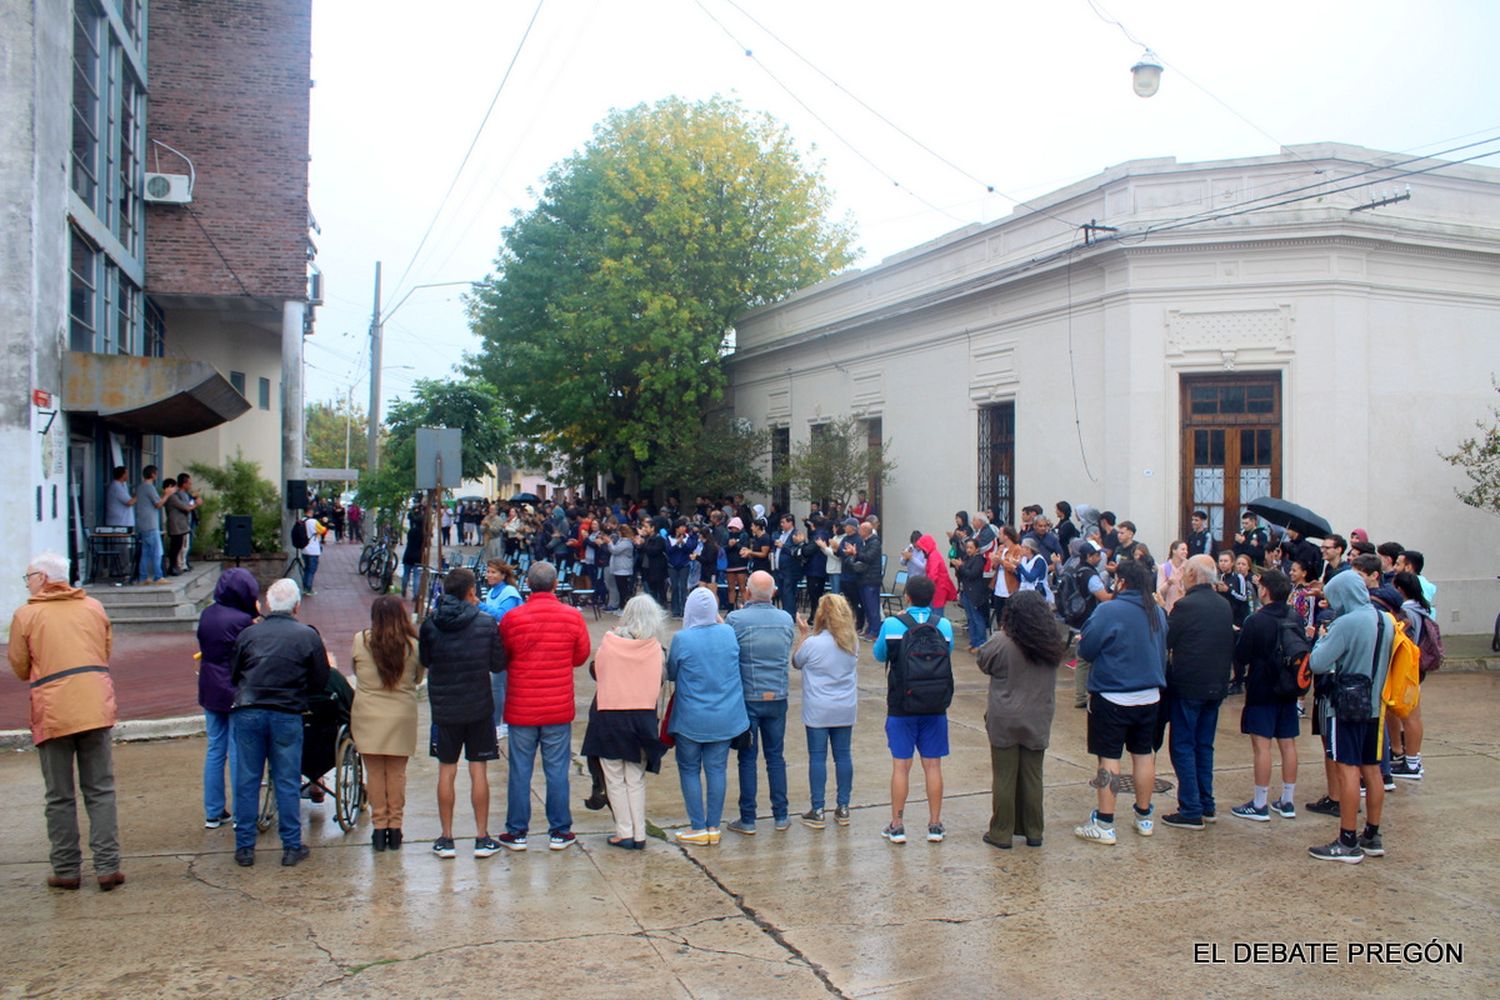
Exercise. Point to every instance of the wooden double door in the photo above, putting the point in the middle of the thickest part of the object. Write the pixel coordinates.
(1231, 447)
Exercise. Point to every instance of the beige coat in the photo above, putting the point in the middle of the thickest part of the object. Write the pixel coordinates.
(59, 645)
(384, 721)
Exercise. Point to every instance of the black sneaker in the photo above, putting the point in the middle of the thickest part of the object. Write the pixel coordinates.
(1372, 846)
(443, 847)
(485, 846)
(813, 819)
(1406, 771)
(244, 856)
(292, 855)
(1324, 807)
(1182, 822)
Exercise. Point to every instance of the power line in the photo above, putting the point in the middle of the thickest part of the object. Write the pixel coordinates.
(989, 188)
(472, 143)
(1107, 18)
(750, 54)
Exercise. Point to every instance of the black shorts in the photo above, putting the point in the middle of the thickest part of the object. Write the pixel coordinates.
(1116, 728)
(1358, 744)
(476, 739)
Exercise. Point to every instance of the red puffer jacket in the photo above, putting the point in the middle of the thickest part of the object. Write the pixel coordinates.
(545, 640)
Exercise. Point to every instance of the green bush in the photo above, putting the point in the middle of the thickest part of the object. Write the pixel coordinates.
(237, 488)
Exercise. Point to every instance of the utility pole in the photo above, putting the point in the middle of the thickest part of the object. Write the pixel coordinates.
(348, 428)
(373, 459)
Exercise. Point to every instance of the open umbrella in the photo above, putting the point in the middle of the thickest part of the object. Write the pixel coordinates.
(525, 498)
(1291, 515)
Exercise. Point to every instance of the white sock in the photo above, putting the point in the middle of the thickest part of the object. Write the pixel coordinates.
(1262, 794)
(1414, 761)
(1288, 791)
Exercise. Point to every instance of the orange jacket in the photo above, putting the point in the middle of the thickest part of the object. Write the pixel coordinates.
(59, 644)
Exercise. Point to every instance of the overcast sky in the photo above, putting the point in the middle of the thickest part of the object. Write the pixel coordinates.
(1024, 96)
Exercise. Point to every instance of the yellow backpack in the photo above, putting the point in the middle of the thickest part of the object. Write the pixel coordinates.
(1404, 675)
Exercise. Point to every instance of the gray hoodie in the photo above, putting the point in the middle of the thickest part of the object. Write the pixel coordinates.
(1349, 645)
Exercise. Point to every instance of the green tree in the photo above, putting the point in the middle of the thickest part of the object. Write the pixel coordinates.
(837, 462)
(1479, 457)
(468, 404)
(720, 456)
(605, 323)
(336, 435)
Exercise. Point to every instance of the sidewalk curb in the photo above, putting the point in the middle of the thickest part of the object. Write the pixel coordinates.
(132, 731)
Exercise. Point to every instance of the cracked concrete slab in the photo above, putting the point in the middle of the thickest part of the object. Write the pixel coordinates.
(800, 913)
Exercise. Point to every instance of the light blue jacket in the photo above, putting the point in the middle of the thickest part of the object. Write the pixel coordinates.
(1349, 645)
(764, 632)
(501, 598)
(708, 705)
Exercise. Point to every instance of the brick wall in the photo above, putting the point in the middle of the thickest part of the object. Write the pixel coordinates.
(229, 88)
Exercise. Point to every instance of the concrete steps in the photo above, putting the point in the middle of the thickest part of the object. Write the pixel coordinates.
(172, 606)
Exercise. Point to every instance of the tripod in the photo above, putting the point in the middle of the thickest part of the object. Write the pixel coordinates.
(295, 561)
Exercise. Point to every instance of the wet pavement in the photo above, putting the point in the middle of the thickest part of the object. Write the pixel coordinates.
(800, 913)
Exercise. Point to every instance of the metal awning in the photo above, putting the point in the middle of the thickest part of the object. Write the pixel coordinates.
(168, 396)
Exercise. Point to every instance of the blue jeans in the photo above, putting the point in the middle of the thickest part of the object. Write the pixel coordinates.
(978, 618)
(309, 570)
(556, 743)
(678, 575)
(696, 762)
(497, 692)
(409, 570)
(768, 732)
(261, 736)
(869, 596)
(1194, 722)
(219, 737)
(150, 567)
(818, 740)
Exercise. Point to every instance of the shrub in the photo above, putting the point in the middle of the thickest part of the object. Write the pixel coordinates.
(237, 488)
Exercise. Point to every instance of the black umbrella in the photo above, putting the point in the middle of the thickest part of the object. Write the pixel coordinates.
(1291, 515)
(525, 498)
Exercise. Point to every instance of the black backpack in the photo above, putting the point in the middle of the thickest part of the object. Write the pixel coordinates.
(920, 675)
(1074, 602)
(299, 534)
(1293, 677)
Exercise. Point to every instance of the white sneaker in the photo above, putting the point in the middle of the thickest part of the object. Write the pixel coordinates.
(1144, 825)
(1095, 831)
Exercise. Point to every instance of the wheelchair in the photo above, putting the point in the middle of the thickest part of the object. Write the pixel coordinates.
(327, 745)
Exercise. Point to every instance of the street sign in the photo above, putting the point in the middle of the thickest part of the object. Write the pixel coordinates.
(439, 457)
(41, 398)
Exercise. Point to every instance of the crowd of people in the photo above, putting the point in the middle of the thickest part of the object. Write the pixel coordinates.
(1159, 648)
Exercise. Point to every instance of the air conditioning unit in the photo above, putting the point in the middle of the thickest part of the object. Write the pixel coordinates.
(168, 189)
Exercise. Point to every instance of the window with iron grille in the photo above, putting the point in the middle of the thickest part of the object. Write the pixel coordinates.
(997, 460)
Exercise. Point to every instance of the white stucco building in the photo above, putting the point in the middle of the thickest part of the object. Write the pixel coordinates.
(1246, 329)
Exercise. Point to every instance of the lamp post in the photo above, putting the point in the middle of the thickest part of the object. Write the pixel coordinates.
(1145, 75)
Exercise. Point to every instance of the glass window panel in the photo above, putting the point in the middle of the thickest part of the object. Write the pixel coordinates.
(87, 22)
(83, 295)
(237, 379)
(265, 404)
(1216, 447)
(1263, 447)
(127, 336)
(1232, 399)
(1255, 482)
(1204, 400)
(1208, 486)
(1200, 447)
(1260, 398)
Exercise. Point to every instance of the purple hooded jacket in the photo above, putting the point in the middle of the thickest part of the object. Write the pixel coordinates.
(218, 627)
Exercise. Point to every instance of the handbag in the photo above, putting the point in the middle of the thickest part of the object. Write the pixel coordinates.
(667, 740)
(1352, 692)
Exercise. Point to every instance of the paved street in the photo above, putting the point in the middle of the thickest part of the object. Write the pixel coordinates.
(796, 914)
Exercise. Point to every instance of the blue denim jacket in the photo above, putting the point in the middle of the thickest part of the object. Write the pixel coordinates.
(765, 637)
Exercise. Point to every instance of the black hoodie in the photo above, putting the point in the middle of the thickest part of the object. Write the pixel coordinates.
(460, 647)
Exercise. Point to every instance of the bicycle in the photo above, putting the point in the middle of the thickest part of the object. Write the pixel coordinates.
(380, 569)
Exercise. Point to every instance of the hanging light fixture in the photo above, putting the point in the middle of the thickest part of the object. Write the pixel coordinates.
(1145, 75)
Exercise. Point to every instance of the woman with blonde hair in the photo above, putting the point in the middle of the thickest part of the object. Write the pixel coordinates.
(383, 719)
(622, 729)
(827, 656)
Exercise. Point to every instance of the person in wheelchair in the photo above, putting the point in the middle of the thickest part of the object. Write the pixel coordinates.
(277, 666)
(327, 714)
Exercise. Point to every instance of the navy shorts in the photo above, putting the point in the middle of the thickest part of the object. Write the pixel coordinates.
(1354, 743)
(476, 739)
(924, 734)
(1274, 722)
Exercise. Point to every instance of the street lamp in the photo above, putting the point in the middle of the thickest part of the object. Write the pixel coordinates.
(1145, 75)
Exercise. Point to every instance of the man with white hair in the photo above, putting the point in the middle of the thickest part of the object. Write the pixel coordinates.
(277, 663)
(59, 645)
(765, 634)
(1200, 644)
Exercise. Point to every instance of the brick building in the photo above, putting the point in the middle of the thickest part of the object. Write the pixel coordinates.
(155, 253)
